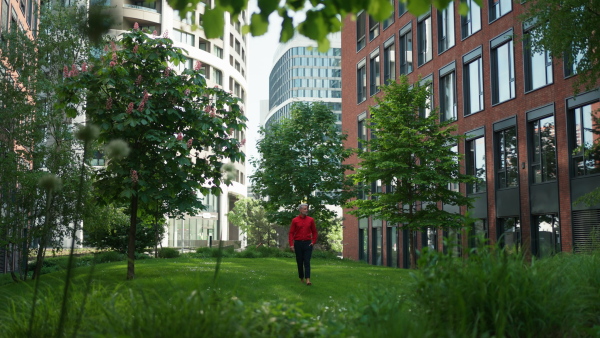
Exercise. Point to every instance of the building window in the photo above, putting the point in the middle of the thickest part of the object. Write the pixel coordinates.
(424, 43)
(543, 152)
(546, 230)
(473, 86)
(373, 28)
(389, 61)
(446, 28)
(475, 161)
(203, 45)
(509, 234)
(503, 72)
(375, 74)
(392, 246)
(471, 23)
(361, 82)
(585, 161)
(406, 51)
(507, 174)
(479, 233)
(448, 96)
(183, 37)
(390, 20)
(218, 51)
(402, 7)
(538, 66)
(360, 31)
(570, 63)
(499, 8)
(430, 239)
(218, 77)
(363, 240)
(362, 131)
(426, 111)
(454, 186)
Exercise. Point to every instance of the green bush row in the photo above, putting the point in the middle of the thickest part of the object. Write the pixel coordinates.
(255, 252)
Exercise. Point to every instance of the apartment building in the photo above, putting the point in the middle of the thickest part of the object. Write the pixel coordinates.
(517, 109)
(224, 65)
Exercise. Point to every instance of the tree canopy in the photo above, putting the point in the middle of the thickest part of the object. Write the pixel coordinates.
(178, 130)
(414, 160)
(302, 162)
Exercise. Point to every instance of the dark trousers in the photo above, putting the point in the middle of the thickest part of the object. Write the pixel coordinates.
(303, 251)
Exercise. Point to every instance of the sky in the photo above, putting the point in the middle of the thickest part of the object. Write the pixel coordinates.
(260, 61)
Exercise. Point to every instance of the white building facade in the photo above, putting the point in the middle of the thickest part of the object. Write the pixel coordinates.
(224, 65)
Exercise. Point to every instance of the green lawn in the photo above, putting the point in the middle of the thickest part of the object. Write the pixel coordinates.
(162, 283)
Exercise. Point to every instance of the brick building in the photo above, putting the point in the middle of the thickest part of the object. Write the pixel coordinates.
(517, 108)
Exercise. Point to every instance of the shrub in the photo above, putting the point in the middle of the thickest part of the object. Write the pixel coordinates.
(109, 256)
(168, 253)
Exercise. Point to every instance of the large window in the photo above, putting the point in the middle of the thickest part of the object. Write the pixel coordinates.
(546, 229)
(446, 28)
(390, 20)
(507, 174)
(424, 41)
(430, 238)
(374, 73)
(392, 246)
(363, 240)
(543, 152)
(478, 233)
(570, 63)
(448, 96)
(361, 30)
(402, 8)
(509, 234)
(473, 85)
(426, 111)
(362, 131)
(585, 162)
(406, 50)
(499, 8)
(373, 28)
(183, 37)
(538, 66)
(503, 70)
(475, 156)
(389, 61)
(471, 22)
(361, 81)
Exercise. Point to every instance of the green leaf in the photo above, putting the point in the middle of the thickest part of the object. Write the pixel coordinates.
(214, 21)
(418, 7)
(258, 24)
(287, 29)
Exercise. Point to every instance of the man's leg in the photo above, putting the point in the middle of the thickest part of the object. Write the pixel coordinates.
(299, 250)
(307, 256)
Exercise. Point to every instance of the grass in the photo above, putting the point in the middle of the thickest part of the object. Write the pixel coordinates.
(491, 294)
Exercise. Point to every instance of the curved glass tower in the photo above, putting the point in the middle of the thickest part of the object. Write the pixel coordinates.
(301, 73)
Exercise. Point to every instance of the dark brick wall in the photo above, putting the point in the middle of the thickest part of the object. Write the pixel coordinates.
(555, 93)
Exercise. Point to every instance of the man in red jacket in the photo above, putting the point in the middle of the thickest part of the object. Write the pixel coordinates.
(302, 237)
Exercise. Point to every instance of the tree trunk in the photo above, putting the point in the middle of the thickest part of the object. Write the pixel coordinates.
(412, 249)
(131, 237)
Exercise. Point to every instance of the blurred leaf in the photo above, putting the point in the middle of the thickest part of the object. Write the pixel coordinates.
(258, 24)
(214, 21)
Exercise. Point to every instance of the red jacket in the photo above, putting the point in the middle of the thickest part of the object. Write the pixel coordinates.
(302, 229)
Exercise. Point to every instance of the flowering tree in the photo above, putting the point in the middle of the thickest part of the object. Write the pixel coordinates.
(177, 130)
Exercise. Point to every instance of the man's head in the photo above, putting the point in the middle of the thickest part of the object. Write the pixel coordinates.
(303, 208)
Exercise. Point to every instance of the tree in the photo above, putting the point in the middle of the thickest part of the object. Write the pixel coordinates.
(412, 157)
(568, 30)
(302, 162)
(37, 139)
(250, 216)
(178, 130)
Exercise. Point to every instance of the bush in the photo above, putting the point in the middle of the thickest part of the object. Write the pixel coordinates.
(109, 256)
(168, 253)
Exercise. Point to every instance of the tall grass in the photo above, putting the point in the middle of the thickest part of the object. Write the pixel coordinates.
(490, 294)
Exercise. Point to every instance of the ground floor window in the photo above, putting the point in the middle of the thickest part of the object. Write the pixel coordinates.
(479, 233)
(509, 234)
(546, 231)
(377, 246)
(363, 240)
(392, 246)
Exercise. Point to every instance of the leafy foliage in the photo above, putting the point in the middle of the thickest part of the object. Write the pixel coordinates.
(302, 162)
(578, 42)
(322, 16)
(412, 157)
(177, 129)
(250, 216)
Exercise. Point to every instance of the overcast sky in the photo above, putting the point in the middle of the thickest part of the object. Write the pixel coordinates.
(260, 60)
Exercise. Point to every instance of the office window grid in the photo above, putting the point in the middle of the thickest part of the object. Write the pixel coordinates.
(503, 73)
(445, 25)
(374, 74)
(498, 8)
(361, 31)
(475, 162)
(585, 162)
(361, 82)
(507, 174)
(543, 152)
(389, 63)
(406, 53)
(471, 23)
(538, 66)
(448, 105)
(424, 41)
(473, 86)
